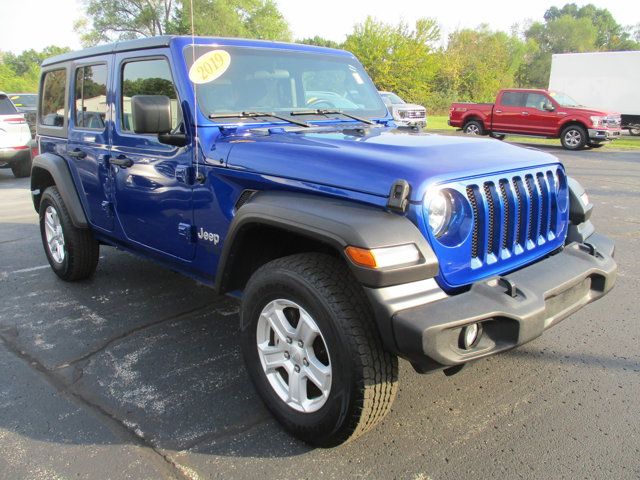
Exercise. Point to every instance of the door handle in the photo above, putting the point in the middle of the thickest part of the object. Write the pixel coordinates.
(498, 111)
(525, 113)
(121, 161)
(77, 153)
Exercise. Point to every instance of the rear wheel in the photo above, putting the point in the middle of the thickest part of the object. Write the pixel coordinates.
(635, 130)
(473, 127)
(573, 137)
(21, 168)
(312, 350)
(72, 252)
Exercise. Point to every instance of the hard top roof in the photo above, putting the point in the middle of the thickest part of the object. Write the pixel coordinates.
(166, 40)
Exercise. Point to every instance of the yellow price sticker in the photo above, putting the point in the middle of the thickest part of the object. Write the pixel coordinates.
(209, 66)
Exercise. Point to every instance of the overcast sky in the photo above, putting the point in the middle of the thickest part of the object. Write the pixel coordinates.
(26, 24)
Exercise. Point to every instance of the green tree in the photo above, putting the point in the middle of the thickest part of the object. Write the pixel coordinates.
(610, 34)
(111, 20)
(320, 42)
(259, 19)
(21, 73)
(23, 63)
(571, 29)
(477, 63)
(397, 57)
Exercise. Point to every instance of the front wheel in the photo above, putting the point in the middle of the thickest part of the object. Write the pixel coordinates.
(473, 128)
(312, 350)
(574, 137)
(635, 130)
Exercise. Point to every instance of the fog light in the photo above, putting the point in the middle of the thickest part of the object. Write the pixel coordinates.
(470, 335)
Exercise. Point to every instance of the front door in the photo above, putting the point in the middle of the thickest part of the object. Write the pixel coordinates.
(153, 198)
(88, 145)
(543, 122)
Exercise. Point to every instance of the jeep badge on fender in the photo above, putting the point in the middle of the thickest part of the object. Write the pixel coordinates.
(350, 242)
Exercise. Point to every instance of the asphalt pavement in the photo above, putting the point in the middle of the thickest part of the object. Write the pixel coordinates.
(137, 374)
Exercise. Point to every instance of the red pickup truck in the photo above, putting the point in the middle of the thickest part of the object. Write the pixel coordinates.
(540, 113)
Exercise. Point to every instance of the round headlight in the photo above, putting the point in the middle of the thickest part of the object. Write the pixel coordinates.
(439, 206)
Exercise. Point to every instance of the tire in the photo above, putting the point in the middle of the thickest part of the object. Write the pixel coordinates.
(635, 130)
(596, 144)
(473, 127)
(358, 394)
(72, 252)
(22, 168)
(574, 137)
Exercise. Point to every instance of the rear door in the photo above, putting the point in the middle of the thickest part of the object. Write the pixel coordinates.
(89, 137)
(153, 198)
(508, 112)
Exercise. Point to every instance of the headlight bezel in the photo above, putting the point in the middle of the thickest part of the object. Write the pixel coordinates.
(457, 216)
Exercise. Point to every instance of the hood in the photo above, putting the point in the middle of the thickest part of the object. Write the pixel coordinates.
(408, 106)
(589, 111)
(370, 163)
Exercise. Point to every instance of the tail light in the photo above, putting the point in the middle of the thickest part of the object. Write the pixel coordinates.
(35, 151)
(14, 120)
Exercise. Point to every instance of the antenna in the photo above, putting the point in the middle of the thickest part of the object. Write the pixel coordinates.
(195, 95)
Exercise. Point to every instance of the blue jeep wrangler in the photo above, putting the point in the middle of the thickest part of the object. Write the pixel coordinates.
(274, 172)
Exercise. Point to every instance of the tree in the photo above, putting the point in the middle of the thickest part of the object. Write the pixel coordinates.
(477, 63)
(320, 42)
(21, 73)
(233, 18)
(610, 34)
(397, 57)
(111, 20)
(571, 29)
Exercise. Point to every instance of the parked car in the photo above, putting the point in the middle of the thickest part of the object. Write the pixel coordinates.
(26, 104)
(349, 241)
(405, 114)
(541, 113)
(15, 139)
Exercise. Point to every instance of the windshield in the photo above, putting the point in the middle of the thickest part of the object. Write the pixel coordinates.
(241, 79)
(25, 101)
(563, 99)
(393, 98)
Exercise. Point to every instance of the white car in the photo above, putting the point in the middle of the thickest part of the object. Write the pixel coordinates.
(404, 114)
(15, 139)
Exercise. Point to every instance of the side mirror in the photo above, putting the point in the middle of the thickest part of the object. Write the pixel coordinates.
(549, 107)
(151, 114)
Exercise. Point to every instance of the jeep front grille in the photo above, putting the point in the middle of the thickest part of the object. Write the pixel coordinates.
(513, 214)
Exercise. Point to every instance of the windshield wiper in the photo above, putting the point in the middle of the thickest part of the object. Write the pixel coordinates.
(332, 112)
(214, 116)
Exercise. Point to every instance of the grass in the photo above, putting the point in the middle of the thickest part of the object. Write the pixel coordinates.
(439, 124)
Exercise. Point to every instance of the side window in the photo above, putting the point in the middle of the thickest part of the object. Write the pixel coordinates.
(513, 99)
(536, 100)
(147, 77)
(90, 97)
(53, 90)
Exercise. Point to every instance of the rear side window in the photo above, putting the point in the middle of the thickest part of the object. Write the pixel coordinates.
(514, 99)
(6, 107)
(147, 77)
(53, 90)
(90, 97)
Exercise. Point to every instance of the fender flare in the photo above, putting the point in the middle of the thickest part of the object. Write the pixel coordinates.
(337, 223)
(58, 169)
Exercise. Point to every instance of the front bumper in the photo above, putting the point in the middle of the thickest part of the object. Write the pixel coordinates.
(546, 292)
(603, 134)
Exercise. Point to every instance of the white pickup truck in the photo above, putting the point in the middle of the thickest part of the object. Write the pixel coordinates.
(404, 114)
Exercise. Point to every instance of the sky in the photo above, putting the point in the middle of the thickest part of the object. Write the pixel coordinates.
(51, 21)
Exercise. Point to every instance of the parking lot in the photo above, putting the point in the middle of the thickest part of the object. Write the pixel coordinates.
(137, 374)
